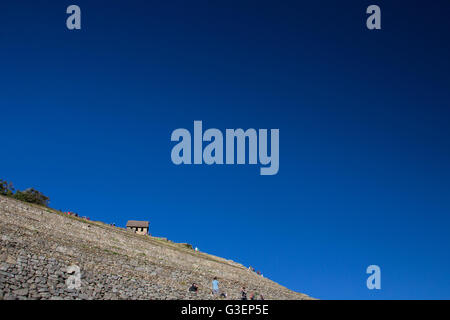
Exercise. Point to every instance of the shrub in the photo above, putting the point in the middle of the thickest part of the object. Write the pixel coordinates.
(33, 196)
(186, 245)
(29, 195)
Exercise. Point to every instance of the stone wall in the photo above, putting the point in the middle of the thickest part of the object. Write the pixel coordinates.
(38, 245)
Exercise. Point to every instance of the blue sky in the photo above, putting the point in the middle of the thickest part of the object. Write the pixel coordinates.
(363, 116)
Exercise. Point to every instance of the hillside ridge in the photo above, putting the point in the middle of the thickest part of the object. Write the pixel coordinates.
(39, 244)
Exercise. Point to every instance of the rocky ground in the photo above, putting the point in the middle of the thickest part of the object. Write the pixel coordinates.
(38, 245)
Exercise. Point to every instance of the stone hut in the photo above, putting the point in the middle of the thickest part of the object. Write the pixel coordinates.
(139, 227)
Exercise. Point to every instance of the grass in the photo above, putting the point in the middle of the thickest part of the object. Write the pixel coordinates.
(110, 252)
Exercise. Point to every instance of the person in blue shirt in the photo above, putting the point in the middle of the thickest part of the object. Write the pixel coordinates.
(215, 286)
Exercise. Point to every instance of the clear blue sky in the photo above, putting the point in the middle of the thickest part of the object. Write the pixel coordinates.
(86, 117)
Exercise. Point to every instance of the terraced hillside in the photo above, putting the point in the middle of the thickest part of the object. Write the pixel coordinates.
(39, 244)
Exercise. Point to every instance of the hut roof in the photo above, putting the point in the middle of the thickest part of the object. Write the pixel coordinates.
(137, 224)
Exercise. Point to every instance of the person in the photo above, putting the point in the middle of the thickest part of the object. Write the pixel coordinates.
(193, 288)
(215, 286)
(261, 297)
(243, 294)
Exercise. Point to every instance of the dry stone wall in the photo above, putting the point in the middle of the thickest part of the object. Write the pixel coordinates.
(38, 245)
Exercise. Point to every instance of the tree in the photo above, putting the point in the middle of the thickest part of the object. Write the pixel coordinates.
(6, 188)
